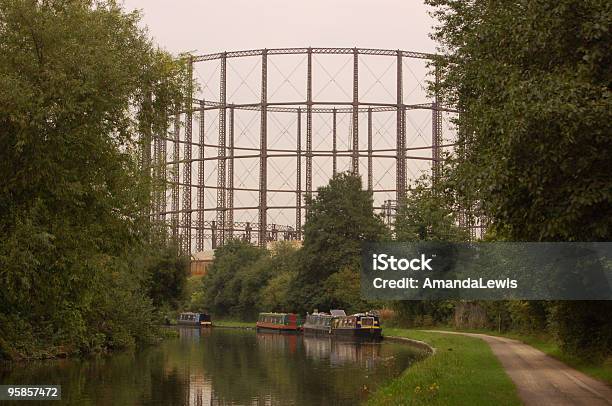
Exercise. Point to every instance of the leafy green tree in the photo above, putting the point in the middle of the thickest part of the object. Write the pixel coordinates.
(168, 277)
(276, 294)
(233, 269)
(531, 79)
(532, 82)
(428, 214)
(79, 81)
(341, 217)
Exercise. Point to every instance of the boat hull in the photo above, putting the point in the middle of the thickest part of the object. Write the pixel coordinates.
(203, 324)
(374, 334)
(317, 331)
(277, 328)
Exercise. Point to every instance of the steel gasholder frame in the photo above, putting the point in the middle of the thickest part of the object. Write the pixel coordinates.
(221, 225)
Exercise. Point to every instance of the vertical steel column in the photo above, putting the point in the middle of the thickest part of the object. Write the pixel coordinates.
(298, 179)
(221, 164)
(247, 232)
(334, 144)
(186, 220)
(201, 181)
(230, 178)
(145, 134)
(355, 160)
(400, 152)
(146, 166)
(436, 131)
(403, 153)
(308, 132)
(163, 172)
(263, 151)
(156, 204)
(370, 149)
(175, 177)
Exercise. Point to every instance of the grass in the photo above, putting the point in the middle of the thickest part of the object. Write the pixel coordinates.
(463, 371)
(601, 371)
(233, 323)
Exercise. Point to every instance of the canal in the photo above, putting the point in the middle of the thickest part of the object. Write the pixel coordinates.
(224, 367)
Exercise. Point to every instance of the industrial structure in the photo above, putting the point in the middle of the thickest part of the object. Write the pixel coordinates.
(267, 127)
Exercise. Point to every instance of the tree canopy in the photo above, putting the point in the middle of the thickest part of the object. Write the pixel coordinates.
(531, 79)
(79, 83)
(340, 218)
(532, 82)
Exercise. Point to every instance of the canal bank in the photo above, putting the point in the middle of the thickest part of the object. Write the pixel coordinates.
(461, 371)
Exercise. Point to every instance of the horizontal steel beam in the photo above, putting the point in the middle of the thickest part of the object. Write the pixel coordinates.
(292, 150)
(293, 155)
(277, 107)
(239, 208)
(324, 51)
(246, 189)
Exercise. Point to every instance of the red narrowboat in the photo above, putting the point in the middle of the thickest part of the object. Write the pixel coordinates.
(281, 322)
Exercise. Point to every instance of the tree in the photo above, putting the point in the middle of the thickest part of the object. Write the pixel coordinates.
(276, 294)
(531, 79)
(168, 277)
(428, 214)
(79, 81)
(340, 219)
(225, 285)
(532, 82)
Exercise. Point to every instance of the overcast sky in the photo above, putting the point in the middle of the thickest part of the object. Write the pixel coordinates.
(212, 26)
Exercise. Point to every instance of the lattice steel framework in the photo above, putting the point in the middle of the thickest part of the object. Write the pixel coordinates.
(313, 121)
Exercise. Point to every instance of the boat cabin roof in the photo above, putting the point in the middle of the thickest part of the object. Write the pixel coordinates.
(274, 314)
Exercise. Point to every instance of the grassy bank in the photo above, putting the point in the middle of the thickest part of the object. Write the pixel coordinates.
(233, 323)
(601, 371)
(463, 371)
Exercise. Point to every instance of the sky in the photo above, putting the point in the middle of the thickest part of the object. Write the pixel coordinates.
(225, 25)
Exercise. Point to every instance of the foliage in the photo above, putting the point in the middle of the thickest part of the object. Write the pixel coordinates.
(531, 79)
(222, 286)
(79, 80)
(532, 82)
(323, 274)
(168, 277)
(276, 294)
(245, 280)
(340, 218)
(428, 214)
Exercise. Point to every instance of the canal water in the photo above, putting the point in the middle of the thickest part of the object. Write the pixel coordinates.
(224, 367)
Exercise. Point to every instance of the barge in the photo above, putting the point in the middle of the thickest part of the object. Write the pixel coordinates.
(279, 322)
(318, 323)
(194, 319)
(359, 325)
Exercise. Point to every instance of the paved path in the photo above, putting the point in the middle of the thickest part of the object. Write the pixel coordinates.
(542, 380)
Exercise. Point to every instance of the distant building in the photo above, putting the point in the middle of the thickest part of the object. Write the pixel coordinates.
(200, 261)
(271, 245)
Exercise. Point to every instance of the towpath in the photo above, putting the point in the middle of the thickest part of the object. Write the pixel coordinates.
(542, 380)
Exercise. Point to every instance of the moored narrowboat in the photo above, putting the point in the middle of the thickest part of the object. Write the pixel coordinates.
(194, 319)
(281, 322)
(318, 323)
(359, 325)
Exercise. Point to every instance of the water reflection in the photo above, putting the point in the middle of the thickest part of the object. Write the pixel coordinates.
(222, 366)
